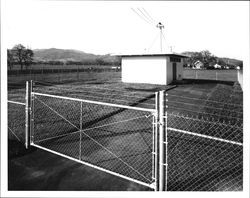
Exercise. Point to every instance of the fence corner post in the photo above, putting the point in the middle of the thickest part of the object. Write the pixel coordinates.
(31, 111)
(161, 143)
(27, 114)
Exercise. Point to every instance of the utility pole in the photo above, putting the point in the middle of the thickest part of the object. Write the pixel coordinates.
(171, 49)
(160, 26)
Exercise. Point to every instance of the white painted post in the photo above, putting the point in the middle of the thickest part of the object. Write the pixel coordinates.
(31, 113)
(80, 142)
(156, 143)
(27, 116)
(161, 144)
(153, 145)
(216, 75)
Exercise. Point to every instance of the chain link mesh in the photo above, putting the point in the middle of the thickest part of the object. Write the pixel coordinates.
(204, 151)
(113, 138)
(203, 155)
(16, 122)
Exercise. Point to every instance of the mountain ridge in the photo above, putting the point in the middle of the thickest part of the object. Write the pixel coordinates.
(64, 55)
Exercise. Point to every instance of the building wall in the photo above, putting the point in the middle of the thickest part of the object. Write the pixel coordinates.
(144, 69)
(169, 71)
(240, 78)
(179, 70)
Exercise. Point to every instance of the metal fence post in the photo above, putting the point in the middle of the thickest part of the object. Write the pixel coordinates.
(27, 115)
(80, 142)
(31, 113)
(161, 143)
(156, 148)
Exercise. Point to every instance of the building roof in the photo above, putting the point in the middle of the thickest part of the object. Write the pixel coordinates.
(158, 54)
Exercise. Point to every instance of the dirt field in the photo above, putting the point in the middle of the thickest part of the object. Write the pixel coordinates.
(51, 172)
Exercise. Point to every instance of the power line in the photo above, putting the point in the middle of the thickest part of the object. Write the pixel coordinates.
(141, 16)
(145, 16)
(149, 15)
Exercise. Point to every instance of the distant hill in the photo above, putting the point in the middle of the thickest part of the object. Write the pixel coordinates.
(232, 61)
(70, 55)
(66, 55)
(54, 54)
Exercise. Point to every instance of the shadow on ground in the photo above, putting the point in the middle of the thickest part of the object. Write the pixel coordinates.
(41, 170)
(17, 149)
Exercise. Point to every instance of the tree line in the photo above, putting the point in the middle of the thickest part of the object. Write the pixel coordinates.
(19, 55)
(208, 60)
(24, 57)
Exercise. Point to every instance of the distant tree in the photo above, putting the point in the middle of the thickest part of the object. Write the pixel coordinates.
(221, 62)
(10, 59)
(23, 56)
(100, 61)
(203, 56)
(207, 58)
(28, 57)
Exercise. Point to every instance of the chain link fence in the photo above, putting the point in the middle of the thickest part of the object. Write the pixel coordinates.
(16, 121)
(114, 138)
(203, 155)
(202, 147)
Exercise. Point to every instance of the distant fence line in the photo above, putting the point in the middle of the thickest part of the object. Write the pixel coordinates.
(61, 70)
(222, 75)
(201, 74)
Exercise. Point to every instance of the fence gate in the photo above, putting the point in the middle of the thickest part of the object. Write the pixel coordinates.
(114, 138)
(157, 148)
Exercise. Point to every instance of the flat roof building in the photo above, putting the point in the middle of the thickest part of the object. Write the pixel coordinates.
(159, 68)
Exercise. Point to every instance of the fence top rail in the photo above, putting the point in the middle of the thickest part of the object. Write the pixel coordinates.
(95, 102)
(14, 102)
(206, 136)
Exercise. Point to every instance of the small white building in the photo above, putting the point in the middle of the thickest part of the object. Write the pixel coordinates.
(198, 64)
(217, 66)
(160, 69)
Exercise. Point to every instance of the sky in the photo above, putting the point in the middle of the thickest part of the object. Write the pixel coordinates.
(113, 27)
